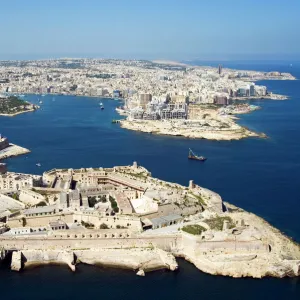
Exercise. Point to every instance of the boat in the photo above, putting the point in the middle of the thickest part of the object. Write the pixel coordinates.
(192, 155)
(101, 105)
(38, 164)
(41, 102)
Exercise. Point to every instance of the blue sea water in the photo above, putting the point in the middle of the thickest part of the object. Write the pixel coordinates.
(259, 175)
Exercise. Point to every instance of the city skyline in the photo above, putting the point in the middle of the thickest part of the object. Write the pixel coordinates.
(129, 30)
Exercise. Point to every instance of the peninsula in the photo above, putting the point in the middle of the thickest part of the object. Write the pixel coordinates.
(8, 149)
(12, 106)
(124, 217)
(160, 97)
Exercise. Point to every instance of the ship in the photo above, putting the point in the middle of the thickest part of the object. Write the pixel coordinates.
(192, 155)
(101, 105)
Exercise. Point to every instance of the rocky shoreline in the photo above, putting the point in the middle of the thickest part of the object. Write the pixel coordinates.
(175, 128)
(140, 260)
(13, 150)
(19, 112)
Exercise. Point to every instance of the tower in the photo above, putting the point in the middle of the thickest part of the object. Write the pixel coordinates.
(220, 69)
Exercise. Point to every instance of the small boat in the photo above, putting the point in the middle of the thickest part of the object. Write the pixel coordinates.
(192, 155)
(38, 164)
(101, 105)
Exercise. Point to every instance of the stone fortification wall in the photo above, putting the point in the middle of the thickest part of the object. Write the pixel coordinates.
(40, 220)
(196, 245)
(133, 223)
(167, 243)
(232, 246)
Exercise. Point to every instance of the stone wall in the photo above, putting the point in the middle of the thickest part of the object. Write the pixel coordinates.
(40, 220)
(167, 243)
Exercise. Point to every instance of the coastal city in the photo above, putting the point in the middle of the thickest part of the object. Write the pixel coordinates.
(158, 95)
(121, 216)
(148, 149)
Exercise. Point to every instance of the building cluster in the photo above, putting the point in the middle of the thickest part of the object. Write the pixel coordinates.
(151, 90)
(124, 197)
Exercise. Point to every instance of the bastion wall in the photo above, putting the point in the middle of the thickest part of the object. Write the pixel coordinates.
(167, 243)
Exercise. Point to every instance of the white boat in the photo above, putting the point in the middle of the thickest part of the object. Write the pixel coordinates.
(41, 102)
(38, 164)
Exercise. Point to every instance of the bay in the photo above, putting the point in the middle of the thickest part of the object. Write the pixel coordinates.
(259, 175)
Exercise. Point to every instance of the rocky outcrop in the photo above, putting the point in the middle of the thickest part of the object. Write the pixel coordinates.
(16, 261)
(140, 273)
(37, 257)
(168, 259)
(2, 254)
(256, 267)
(145, 259)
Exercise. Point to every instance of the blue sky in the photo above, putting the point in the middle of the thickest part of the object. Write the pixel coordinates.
(189, 29)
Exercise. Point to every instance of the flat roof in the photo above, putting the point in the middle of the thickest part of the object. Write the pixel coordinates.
(41, 209)
(165, 219)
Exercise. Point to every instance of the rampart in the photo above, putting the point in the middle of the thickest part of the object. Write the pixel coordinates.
(94, 241)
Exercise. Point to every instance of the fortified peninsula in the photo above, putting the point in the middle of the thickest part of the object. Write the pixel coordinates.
(160, 97)
(123, 217)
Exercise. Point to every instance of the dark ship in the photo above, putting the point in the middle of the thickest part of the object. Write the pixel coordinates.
(192, 155)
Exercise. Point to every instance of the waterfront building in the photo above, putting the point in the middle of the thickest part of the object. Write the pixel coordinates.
(144, 99)
(4, 143)
(17, 181)
(252, 90)
(221, 100)
(3, 168)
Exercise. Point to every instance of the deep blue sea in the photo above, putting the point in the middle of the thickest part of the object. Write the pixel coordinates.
(259, 175)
